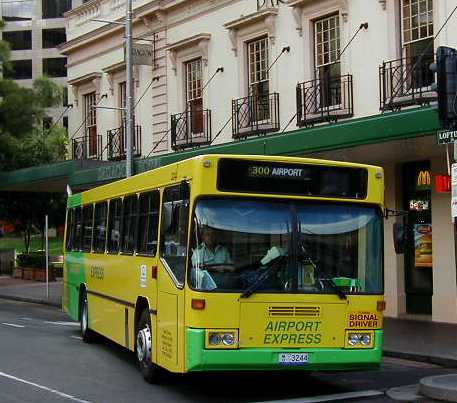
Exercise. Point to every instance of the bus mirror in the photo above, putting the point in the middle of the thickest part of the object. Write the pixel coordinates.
(399, 236)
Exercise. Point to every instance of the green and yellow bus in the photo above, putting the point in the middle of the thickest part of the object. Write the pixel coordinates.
(292, 277)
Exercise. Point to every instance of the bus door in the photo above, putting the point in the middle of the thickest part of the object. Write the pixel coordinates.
(171, 276)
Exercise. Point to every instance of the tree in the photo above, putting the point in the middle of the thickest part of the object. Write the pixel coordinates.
(25, 143)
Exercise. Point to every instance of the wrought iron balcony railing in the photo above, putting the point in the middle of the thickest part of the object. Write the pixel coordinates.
(255, 115)
(405, 82)
(86, 147)
(324, 100)
(117, 143)
(191, 128)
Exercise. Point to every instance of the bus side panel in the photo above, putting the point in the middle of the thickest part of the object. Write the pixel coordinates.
(74, 276)
(108, 276)
(167, 331)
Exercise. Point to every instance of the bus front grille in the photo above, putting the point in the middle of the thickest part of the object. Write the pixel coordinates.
(302, 311)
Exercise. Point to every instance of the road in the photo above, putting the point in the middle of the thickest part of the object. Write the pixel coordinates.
(42, 359)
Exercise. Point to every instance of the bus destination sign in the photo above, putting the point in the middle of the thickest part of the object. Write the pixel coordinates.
(266, 171)
(292, 179)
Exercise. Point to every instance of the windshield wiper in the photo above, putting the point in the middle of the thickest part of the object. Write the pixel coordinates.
(341, 294)
(272, 266)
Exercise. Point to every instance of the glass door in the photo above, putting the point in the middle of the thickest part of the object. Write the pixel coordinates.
(418, 252)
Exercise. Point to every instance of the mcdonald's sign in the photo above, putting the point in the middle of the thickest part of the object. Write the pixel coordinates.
(423, 180)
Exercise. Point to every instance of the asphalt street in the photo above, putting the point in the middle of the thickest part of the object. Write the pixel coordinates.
(43, 359)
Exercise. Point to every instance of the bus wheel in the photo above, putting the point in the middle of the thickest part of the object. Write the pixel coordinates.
(149, 370)
(86, 334)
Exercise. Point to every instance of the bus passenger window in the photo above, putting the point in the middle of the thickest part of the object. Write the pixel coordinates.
(77, 228)
(148, 223)
(87, 227)
(100, 216)
(70, 229)
(129, 215)
(114, 225)
(175, 217)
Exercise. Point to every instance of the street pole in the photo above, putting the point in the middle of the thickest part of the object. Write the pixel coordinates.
(46, 254)
(129, 88)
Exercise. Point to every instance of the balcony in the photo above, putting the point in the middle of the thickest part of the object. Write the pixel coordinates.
(255, 115)
(406, 82)
(117, 142)
(191, 128)
(328, 100)
(86, 147)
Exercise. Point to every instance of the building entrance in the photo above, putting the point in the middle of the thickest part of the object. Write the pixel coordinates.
(417, 185)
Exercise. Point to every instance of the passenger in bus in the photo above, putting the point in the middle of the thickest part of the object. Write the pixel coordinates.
(210, 254)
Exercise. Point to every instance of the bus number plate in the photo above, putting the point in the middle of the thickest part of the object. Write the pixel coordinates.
(293, 358)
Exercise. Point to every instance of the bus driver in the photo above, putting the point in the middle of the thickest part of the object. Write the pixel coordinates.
(210, 255)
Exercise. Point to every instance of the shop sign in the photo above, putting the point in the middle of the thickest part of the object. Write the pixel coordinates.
(143, 54)
(454, 191)
(423, 245)
(423, 180)
(418, 205)
(446, 137)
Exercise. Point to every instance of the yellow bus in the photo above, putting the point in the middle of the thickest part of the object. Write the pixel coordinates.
(232, 262)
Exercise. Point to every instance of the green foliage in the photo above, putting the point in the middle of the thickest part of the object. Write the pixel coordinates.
(24, 143)
(32, 259)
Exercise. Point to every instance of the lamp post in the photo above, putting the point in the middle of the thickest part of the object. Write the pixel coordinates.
(129, 127)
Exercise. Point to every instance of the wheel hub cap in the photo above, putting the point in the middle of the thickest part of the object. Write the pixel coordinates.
(143, 344)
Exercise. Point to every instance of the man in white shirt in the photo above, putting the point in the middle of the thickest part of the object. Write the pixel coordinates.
(210, 255)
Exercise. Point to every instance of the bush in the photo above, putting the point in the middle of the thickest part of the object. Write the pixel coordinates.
(32, 259)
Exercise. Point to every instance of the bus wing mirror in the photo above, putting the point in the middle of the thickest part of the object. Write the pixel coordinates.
(399, 236)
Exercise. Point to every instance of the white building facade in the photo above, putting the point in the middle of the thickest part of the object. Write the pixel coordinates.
(338, 79)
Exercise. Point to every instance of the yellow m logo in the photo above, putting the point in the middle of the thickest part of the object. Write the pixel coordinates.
(423, 179)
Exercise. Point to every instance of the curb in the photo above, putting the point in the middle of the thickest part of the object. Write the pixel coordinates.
(442, 361)
(31, 300)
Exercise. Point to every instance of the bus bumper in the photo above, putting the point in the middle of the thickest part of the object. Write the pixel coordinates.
(320, 359)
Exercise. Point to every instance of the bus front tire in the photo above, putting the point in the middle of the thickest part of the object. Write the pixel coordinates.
(150, 371)
(87, 335)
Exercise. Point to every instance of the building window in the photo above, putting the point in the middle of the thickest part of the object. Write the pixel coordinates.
(18, 40)
(258, 78)
(327, 53)
(20, 70)
(51, 38)
(18, 10)
(417, 40)
(90, 114)
(122, 102)
(47, 122)
(55, 67)
(65, 96)
(55, 8)
(194, 99)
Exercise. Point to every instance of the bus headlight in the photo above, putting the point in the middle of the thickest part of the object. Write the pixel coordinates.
(217, 338)
(359, 339)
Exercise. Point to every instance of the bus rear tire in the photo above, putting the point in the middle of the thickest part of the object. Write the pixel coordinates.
(143, 349)
(87, 334)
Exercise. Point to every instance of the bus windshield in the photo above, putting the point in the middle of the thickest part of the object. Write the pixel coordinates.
(254, 245)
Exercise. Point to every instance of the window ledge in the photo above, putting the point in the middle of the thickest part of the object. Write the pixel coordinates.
(200, 40)
(266, 16)
(91, 78)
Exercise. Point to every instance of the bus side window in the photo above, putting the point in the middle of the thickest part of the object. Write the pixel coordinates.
(88, 221)
(175, 218)
(70, 229)
(77, 227)
(114, 225)
(148, 223)
(100, 217)
(128, 227)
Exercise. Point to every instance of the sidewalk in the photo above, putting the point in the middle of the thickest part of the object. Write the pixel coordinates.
(421, 341)
(410, 339)
(31, 291)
